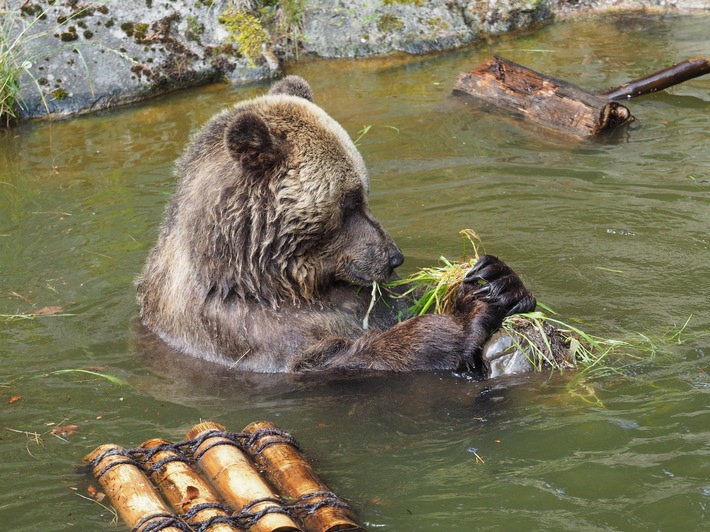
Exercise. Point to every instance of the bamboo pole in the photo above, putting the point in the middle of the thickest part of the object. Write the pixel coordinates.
(130, 491)
(289, 471)
(237, 480)
(184, 488)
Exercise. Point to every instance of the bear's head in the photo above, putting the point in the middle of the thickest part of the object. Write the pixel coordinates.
(278, 198)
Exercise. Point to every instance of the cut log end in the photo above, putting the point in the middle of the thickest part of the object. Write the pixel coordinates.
(613, 115)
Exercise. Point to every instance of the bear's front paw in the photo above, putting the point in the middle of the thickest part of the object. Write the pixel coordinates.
(494, 282)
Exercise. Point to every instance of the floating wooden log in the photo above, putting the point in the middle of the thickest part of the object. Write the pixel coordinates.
(237, 480)
(131, 493)
(288, 470)
(559, 106)
(183, 487)
(548, 102)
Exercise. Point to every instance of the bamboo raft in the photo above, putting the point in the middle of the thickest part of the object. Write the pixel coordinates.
(219, 481)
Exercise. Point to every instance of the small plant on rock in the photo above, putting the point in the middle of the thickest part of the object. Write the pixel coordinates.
(19, 48)
(11, 65)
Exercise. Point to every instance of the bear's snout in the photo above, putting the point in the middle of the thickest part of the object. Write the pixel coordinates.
(396, 257)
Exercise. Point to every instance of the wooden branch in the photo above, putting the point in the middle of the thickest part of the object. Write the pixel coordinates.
(549, 102)
(673, 75)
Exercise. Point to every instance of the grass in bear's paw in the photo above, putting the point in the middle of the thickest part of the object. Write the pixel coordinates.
(434, 289)
(547, 341)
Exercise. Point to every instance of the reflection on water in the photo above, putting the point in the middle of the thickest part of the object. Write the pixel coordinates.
(611, 234)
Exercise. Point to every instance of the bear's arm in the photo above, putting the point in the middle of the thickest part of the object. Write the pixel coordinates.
(430, 342)
(490, 292)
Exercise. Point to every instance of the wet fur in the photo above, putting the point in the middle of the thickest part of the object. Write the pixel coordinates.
(268, 250)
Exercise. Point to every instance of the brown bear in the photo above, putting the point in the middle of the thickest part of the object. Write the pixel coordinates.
(268, 251)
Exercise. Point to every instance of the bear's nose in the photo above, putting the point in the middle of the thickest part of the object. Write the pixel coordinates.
(396, 257)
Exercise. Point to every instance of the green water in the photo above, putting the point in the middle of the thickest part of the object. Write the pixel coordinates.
(612, 234)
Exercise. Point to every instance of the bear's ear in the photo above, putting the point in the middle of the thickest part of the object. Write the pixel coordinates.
(294, 86)
(250, 141)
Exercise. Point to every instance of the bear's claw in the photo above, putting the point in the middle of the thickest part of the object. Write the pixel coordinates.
(493, 281)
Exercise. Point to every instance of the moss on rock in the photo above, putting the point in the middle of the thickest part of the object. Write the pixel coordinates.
(389, 23)
(246, 31)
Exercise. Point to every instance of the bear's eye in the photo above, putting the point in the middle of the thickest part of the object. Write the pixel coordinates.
(352, 202)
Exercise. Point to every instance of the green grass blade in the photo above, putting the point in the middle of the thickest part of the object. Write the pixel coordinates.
(110, 378)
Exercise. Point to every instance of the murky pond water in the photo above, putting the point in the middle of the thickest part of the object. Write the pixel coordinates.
(612, 234)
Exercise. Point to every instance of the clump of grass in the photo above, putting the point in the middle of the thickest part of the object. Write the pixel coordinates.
(17, 38)
(18, 49)
(11, 66)
(434, 289)
(285, 21)
(549, 342)
(546, 340)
